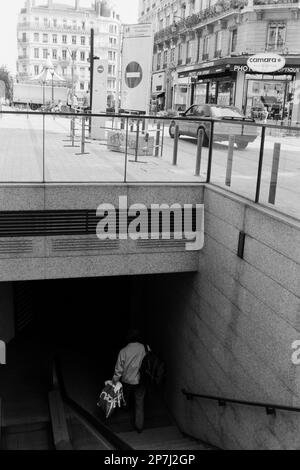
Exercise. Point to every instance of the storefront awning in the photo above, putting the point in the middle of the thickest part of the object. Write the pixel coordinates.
(234, 64)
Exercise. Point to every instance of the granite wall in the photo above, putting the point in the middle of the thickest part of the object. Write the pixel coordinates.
(228, 329)
(6, 312)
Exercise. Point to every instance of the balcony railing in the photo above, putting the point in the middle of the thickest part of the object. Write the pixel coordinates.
(262, 3)
(203, 17)
(60, 28)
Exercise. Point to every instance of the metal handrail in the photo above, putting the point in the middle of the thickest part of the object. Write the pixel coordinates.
(269, 407)
(105, 431)
(152, 117)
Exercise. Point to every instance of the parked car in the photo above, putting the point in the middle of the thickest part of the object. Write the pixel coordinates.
(222, 130)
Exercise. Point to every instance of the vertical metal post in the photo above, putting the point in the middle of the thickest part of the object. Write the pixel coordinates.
(260, 163)
(229, 160)
(199, 151)
(126, 151)
(92, 53)
(210, 151)
(73, 131)
(44, 143)
(157, 140)
(137, 140)
(175, 149)
(162, 139)
(274, 173)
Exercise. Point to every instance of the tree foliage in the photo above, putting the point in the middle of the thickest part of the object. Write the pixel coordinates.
(6, 77)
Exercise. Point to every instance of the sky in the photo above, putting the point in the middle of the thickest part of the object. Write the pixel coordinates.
(128, 10)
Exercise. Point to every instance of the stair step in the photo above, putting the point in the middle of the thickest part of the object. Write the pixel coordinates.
(35, 436)
(152, 436)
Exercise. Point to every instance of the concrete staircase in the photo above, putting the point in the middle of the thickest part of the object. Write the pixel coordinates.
(162, 438)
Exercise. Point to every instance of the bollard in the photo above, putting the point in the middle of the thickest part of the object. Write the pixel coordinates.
(82, 138)
(274, 173)
(162, 140)
(229, 160)
(137, 140)
(157, 140)
(175, 149)
(199, 151)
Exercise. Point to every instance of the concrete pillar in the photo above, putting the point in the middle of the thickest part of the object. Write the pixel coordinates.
(296, 103)
(239, 90)
(7, 321)
(77, 5)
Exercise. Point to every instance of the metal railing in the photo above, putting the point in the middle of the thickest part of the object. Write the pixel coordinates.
(133, 146)
(222, 401)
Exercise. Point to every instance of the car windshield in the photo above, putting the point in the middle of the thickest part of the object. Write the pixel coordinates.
(226, 112)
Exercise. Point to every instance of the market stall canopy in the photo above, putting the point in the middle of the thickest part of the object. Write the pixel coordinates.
(48, 74)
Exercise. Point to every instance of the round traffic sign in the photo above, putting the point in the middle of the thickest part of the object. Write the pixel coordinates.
(133, 75)
(100, 69)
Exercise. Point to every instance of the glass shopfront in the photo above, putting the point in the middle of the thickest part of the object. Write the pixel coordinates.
(269, 97)
(215, 91)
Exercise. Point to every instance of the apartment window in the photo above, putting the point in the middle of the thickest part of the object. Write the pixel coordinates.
(276, 36)
(172, 58)
(233, 41)
(218, 43)
(36, 37)
(189, 51)
(45, 53)
(54, 54)
(36, 53)
(24, 53)
(37, 20)
(54, 38)
(158, 63)
(167, 21)
(74, 55)
(165, 57)
(82, 71)
(73, 39)
(24, 37)
(83, 40)
(64, 55)
(55, 23)
(45, 37)
(45, 21)
(81, 85)
(82, 56)
(64, 39)
(109, 55)
(111, 28)
(36, 70)
(206, 45)
(64, 70)
(180, 53)
(110, 69)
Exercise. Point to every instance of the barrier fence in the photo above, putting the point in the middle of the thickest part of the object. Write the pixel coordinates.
(242, 156)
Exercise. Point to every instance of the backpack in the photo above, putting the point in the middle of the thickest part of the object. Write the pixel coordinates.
(152, 369)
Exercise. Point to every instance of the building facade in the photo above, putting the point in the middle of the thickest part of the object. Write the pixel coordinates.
(202, 48)
(62, 32)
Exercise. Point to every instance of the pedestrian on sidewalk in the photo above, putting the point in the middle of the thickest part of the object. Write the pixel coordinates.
(127, 371)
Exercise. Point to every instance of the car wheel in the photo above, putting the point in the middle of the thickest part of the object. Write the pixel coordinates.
(242, 145)
(205, 142)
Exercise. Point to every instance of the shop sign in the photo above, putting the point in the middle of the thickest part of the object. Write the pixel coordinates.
(285, 70)
(266, 62)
